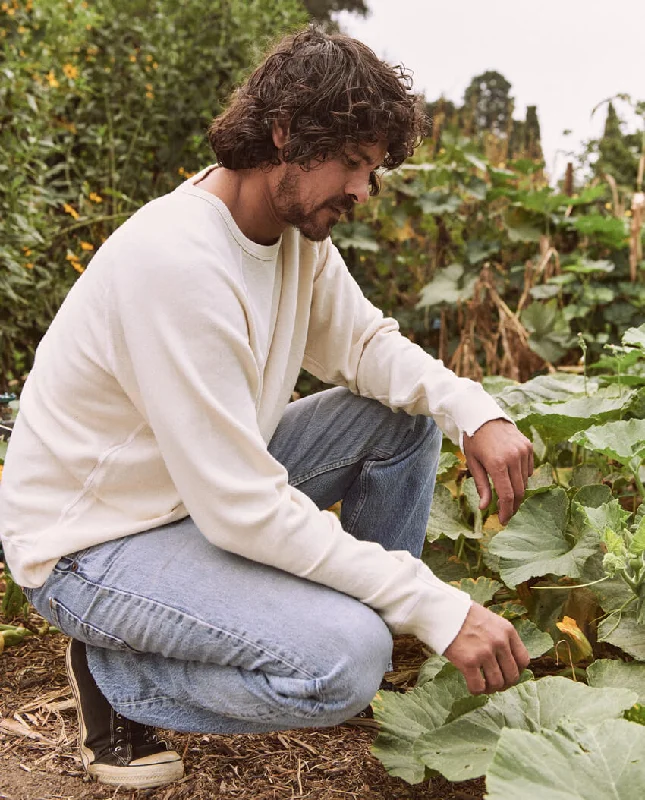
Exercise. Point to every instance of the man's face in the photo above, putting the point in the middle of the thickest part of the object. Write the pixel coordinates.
(313, 200)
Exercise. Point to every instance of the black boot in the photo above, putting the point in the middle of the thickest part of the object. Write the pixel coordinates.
(114, 749)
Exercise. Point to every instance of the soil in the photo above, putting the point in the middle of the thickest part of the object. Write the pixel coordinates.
(39, 758)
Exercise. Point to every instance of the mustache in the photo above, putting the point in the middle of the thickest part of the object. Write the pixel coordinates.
(342, 204)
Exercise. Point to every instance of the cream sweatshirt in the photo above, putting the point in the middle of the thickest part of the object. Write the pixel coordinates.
(161, 380)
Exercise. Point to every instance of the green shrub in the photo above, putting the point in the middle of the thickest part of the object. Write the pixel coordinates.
(104, 105)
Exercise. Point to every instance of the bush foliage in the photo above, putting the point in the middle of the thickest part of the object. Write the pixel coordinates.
(104, 105)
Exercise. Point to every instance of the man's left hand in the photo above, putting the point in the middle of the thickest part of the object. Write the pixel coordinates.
(499, 449)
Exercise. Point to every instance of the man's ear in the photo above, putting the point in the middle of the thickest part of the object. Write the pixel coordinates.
(280, 134)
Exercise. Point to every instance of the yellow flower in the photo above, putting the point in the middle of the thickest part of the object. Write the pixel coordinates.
(5, 6)
(78, 266)
(148, 57)
(133, 57)
(628, 213)
(71, 211)
(95, 198)
(71, 257)
(11, 11)
(154, 65)
(70, 71)
(26, 251)
(87, 246)
(149, 87)
(22, 30)
(181, 171)
(608, 206)
(29, 265)
(52, 79)
(150, 95)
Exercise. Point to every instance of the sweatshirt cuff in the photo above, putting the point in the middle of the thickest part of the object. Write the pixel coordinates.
(438, 615)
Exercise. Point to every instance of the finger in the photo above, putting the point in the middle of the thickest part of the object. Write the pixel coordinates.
(481, 482)
(530, 459)
(493, 675)
(524, 466)
(509, 666)
(474, 680)
(518, 484)
(505, 494)
(519, 651)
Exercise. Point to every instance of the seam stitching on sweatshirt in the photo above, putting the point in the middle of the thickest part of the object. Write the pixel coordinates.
(90, 478)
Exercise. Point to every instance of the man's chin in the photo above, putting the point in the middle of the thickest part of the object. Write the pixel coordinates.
(317, 234)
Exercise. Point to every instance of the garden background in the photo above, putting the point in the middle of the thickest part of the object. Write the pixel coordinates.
(534, 288)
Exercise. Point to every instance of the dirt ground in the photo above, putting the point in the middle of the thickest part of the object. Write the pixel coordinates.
(39, 758)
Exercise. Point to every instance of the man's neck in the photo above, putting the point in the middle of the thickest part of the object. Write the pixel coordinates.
(246, 194)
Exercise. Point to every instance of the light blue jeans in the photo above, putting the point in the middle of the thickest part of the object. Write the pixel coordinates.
(185, 636)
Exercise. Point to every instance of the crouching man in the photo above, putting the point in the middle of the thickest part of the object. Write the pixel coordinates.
(163, 501)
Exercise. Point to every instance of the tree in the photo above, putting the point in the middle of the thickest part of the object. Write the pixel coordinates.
(321, 10)
(488, 102)
(532, 141)
(618, 153)
(524, 141)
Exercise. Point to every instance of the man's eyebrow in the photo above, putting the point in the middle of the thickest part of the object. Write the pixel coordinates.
(366, 159)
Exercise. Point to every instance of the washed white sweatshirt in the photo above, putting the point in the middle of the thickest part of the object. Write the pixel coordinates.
(160, 382)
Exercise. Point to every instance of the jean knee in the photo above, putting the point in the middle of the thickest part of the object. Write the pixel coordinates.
(363, 654)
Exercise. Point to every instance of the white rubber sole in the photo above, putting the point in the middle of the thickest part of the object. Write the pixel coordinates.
(139, 775)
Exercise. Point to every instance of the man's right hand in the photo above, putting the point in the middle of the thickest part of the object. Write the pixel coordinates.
(487, 651)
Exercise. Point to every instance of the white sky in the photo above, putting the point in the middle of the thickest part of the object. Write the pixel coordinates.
(565, 56)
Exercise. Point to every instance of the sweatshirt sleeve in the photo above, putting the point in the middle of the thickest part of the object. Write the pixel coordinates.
(195, 380)
(351, 344)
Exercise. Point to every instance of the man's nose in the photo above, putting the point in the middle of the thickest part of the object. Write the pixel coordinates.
(359, 190)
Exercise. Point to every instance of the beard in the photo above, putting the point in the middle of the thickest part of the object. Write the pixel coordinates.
(315, 224)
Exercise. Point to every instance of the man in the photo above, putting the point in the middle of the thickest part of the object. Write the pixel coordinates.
(163, 502)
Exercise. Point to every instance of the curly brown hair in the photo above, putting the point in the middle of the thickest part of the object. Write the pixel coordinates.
(330, 91)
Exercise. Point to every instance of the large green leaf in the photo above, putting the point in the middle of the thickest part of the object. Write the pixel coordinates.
(610, 673)
(404, 717)
(481, 590)
(549, 332)
(516, 399)
(464, 748)
(635, 337)
(541, 540)
(560, 421)
(621, 440)
(446, 518)
(607, 230)
(587, 266)
(439, 202)
(576, 762)
(449, 285)
(446, 462)
(623, 630)
(536, 641)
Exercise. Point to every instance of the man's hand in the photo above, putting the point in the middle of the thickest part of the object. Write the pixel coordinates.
(488, 644)
(501, 451)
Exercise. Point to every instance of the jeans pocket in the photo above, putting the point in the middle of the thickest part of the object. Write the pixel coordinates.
(73, 626)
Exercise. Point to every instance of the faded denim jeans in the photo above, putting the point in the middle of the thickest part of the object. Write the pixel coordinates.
(186, 636)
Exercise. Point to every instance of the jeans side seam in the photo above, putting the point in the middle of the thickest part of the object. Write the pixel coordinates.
(257, 647)
(360, 503)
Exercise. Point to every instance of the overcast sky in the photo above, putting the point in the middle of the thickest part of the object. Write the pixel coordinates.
(565, 56)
